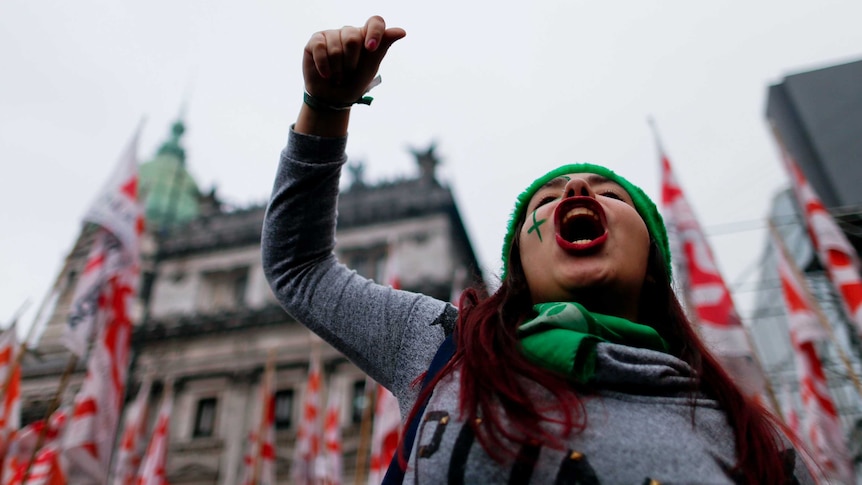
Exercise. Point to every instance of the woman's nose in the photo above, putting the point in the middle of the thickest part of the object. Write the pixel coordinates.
(578, 187)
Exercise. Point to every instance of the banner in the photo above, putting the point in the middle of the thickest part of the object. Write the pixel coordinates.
(705, 291)
(822, 426)
(307, 447)
(385, 434)
(835, 252)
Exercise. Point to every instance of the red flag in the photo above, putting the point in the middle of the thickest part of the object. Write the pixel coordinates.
(133, 438)
(152, 471)
(103, 298)
(833, 249)
(260, 459)
(10, 379)
(307, 447)
(822, 425)
(706, 291)
(332, 458)
(385, 434)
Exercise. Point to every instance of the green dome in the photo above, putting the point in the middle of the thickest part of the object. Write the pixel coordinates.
(170, 193)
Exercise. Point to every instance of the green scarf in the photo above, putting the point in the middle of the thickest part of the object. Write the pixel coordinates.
(564, 335)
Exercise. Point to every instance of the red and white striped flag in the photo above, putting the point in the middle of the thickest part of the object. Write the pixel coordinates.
(385, 434)
(834, 250)
(102, 305)
(307, 446)
(718, 322)
(10, 380)
(331, 473)
(791, 418)
(152, 471)
(132, 441)
(19, 450)
(260, 459)
(46, 468)
(822, 425)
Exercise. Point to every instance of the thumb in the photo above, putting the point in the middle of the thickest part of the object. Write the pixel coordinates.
(375, 57)
(390, 36)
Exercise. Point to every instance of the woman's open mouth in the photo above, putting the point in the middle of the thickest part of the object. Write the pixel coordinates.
(581, 224)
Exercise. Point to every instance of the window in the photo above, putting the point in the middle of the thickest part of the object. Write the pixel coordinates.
(369, 262)
(357, 403)
(283, 408)
(223, 290)
(205, 418)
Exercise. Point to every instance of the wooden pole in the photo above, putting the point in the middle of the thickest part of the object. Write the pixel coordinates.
(364, 433)
(815, 307)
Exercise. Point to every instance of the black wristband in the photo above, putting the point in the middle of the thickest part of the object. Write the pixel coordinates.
(321, 105)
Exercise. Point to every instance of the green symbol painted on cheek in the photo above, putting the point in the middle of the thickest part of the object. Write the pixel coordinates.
(535, 226)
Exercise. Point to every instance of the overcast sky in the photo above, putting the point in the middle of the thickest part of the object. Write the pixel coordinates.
(508, 92)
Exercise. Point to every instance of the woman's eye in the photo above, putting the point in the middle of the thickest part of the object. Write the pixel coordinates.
(612, 195)
(544, 200)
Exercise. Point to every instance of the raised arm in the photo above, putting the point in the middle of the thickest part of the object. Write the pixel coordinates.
(389, 334)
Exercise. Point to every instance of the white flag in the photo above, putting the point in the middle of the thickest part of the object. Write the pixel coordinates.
(307, 447)
(385, 434)
(133, 438)
(718, 322)
(115, 249)
(152, 470)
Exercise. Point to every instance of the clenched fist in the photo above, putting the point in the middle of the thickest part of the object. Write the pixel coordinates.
(338, 65)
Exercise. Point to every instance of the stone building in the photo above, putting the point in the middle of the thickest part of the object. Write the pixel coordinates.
(207, 318)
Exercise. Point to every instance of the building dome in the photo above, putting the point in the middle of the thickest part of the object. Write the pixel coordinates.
(171, 195)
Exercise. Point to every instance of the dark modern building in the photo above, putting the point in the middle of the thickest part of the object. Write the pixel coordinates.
(816, 117)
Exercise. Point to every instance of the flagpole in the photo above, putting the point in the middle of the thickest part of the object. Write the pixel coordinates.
(364, 433)
(692, 313)
(815, 306)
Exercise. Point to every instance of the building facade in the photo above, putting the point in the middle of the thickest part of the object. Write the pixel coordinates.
(207, 319)
(816, 117)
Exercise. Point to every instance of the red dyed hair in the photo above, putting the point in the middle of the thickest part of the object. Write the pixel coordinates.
(492, 369)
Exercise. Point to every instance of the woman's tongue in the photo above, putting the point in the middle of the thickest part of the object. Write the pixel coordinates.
(580, 224)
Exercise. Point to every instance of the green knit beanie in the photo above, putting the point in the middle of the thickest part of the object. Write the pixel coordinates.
(645, 207)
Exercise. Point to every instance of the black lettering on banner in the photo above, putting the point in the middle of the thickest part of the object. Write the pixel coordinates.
(442, 419)
(576, 470)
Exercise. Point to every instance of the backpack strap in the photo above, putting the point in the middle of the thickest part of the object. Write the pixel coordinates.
(395, 474)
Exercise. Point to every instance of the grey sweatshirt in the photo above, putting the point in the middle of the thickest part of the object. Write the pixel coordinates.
(639, 421)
